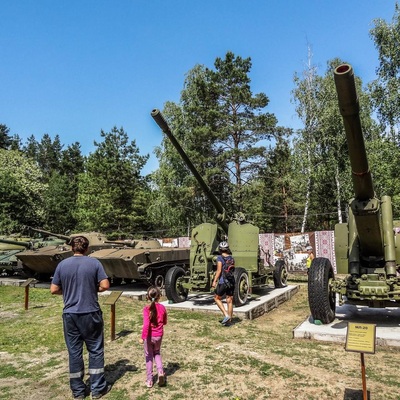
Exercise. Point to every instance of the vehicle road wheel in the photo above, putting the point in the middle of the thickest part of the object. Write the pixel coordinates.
(173, 285)
(241, 291)
(280, 274)
(321, 298)
(159, 281)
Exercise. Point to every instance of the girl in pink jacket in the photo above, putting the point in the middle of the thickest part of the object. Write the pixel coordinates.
(154, 319)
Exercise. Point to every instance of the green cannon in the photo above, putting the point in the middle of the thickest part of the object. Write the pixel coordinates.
(365, 246)
(243, 237)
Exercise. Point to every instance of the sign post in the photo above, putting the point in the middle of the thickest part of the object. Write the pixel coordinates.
(111, 300)
(26, 286)
(360, 338)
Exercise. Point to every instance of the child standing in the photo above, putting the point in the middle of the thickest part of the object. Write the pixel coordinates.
(154, 319)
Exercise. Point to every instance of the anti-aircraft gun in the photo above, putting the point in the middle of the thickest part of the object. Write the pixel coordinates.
(365, 246)
(243, 237)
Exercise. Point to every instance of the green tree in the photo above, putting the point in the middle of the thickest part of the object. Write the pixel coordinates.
(21, 191)
(385, 90)
(221, 124)
(49, 154)
(278, 204)
(62, 191)
(321, 147)
(110, 194)
(5, 139)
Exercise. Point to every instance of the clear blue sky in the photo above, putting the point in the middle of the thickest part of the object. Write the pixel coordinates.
(74, 67)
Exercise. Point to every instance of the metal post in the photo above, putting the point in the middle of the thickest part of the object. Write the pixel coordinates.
(364, 382)
(112, 322)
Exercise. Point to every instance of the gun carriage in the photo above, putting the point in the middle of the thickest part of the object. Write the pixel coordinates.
(243, 237)
(366, 247)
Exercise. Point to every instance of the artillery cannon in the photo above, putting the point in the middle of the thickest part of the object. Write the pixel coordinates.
(365, 246)
(250, 271)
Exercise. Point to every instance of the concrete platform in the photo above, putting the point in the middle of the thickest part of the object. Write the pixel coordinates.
(259, 304)
(387, 322)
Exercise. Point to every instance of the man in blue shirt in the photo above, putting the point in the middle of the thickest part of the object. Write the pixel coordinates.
(78, 279)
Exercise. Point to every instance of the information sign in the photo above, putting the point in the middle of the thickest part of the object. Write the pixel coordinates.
(361, 337)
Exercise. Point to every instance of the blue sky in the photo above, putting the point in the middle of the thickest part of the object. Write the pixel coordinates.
(77, 67)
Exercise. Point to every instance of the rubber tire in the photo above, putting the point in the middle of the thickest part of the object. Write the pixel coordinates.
(241, 292)
(280, 274)
(173, 289)
(321, 298)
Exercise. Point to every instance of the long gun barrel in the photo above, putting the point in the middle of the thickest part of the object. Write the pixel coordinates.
(349, 108)
(365, 208)
(16, 242)
(221, 218)
(47, 233)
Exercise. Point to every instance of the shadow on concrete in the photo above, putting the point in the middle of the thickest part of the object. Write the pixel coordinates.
(382, 317)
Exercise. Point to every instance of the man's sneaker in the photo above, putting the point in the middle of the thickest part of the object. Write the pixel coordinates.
(161, 379)
(225, 320)
(103, 393)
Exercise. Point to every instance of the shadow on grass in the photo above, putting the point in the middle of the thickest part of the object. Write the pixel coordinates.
(116, 371)
(352, 394)
(171, 368)
(124, 333)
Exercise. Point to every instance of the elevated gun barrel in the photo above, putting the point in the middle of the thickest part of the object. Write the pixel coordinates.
(47, 233)
(157, 116)
(349, 108)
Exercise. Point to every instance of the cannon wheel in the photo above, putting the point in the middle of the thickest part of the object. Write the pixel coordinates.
(241, 291)
(173, 286)
(321, 298)
(280, 274)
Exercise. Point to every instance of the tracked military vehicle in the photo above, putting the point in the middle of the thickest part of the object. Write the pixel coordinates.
(141, 260)
(41, 262)
(11, 246)
(366, 247)
(243, 237)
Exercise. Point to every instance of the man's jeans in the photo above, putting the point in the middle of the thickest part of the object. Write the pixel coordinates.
(88, 329)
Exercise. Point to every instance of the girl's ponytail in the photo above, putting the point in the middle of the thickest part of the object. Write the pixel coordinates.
(153, 295)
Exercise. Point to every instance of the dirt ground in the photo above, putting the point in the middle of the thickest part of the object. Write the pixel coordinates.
(249, 360)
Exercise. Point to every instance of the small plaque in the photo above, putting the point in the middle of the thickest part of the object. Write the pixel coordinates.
(360, 337)
(112, 298)
(28, 282)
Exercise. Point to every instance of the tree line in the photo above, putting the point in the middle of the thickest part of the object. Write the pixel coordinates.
(283, 180)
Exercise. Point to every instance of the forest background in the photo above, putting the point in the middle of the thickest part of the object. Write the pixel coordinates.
(284, 180)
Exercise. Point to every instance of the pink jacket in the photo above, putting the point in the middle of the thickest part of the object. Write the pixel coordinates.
(149, 329)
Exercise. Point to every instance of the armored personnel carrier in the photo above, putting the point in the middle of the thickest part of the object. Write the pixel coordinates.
(141, 260)
(243, 237)
(41, 262)
(367, 249)
(12, 245)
